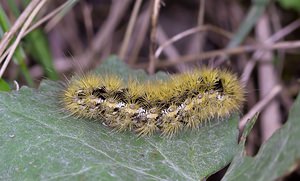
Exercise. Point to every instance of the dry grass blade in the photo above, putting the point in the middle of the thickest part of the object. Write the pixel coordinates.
(47, 17)
(231, 51)
(190, 32)
(37, 24)
(9, 35)
(20, 35)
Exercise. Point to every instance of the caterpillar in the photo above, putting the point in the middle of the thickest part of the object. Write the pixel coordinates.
(185, 101)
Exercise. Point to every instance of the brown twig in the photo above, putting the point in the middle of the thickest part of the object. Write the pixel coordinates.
(154, 19)
(267, 78)
(102, 37)
(171, 52)
(196, 44)
(129, 30)
(260, 105)
(88, 23)
(100, 41)
(142, 27)
(275, 37)
(230, 51)
(190, 32)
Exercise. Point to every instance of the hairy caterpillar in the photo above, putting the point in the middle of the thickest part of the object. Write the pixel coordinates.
(184, 101)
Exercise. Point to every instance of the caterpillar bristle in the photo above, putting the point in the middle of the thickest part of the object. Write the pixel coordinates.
(171, 127)
(185, 101)
(148, 128)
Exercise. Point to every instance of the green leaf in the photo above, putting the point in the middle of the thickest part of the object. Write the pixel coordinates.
(278, 156)
(37, 44)
(38, 140)
(247, 130)
(290, 4)
(4, 86)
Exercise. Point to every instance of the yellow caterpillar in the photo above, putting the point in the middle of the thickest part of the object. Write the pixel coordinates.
(184, 101)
